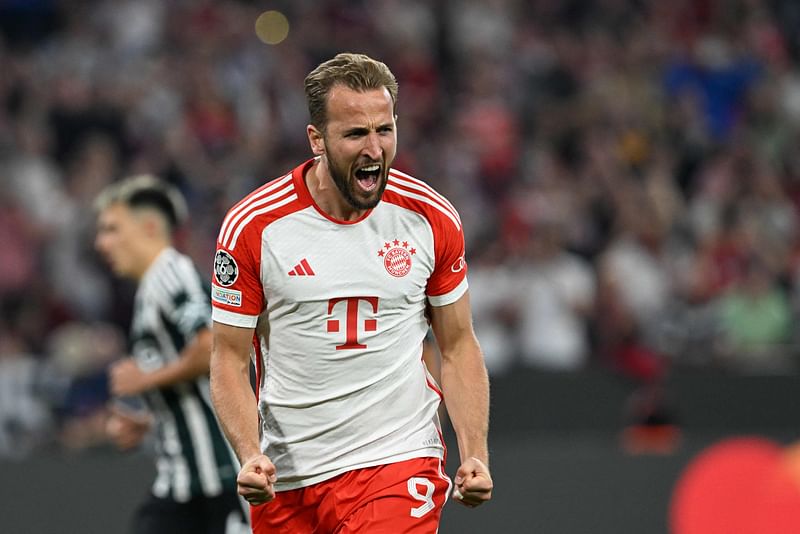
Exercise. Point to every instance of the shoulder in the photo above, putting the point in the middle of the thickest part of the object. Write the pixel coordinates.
(273, 200)
(414, 194)
(171, 274)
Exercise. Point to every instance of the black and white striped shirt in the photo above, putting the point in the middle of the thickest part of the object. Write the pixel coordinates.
(171, 305)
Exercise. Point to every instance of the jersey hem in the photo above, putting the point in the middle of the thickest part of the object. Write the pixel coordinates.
(422, 453)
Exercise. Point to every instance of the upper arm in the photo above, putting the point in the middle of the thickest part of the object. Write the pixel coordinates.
(452, 326)
(231, 344)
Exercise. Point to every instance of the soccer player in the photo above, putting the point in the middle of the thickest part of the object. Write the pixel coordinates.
(195, 490)
(328, 277)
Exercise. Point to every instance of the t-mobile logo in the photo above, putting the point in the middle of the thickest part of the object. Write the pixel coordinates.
(352, 320)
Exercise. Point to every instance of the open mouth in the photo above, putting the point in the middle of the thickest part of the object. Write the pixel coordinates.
(367, 176)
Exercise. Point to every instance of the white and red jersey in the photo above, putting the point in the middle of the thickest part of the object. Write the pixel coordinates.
(339, 314)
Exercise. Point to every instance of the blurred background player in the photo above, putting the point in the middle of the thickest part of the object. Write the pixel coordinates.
(337, 268)
(170, 339)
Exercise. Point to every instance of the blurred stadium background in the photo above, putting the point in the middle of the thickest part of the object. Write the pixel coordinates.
(628, 172)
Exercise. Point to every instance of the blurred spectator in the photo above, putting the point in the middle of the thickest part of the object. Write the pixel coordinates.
(26, 421)
(637, 285)
(58, 398)
(716, 78)
(81, 354)
(19, 240)
(756, 323)
(555, 293)
(493, 295)
(34, 178)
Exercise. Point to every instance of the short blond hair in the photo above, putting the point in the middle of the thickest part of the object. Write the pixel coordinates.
(355, 71)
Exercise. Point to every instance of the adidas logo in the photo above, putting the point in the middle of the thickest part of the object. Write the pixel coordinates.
(302, 269)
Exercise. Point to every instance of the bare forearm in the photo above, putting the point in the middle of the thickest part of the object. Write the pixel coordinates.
(466, 391)
(193, 362)
(188, 367)
(235, 405)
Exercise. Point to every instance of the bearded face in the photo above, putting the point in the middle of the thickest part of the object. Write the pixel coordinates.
(361, 183)
(359, 143)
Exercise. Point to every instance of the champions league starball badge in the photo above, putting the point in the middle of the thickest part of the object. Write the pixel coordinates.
(225, 270)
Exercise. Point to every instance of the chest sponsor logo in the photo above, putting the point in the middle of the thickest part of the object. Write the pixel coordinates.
(225, 269)
(229, 297)
(346, 310)
(397, 257)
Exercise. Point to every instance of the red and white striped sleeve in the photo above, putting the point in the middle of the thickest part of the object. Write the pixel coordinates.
(237, 292)
(448, 281)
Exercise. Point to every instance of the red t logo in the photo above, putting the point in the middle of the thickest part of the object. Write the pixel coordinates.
(351, 321)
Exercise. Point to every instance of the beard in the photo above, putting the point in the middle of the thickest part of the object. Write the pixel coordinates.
(346, 183)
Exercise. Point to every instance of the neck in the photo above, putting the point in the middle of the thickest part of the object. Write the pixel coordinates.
(149, 255)
(327, 196)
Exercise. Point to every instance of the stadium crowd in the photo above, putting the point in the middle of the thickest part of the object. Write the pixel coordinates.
(626, 169)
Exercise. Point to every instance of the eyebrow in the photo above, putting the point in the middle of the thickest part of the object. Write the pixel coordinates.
(363, 129)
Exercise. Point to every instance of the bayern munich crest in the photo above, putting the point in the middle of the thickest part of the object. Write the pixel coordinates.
(396, 257)
(225, 270)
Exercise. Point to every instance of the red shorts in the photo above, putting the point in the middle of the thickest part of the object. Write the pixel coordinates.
(403, 497)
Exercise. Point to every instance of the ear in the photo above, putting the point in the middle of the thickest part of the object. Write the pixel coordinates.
(316, 140)
(151, 225)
